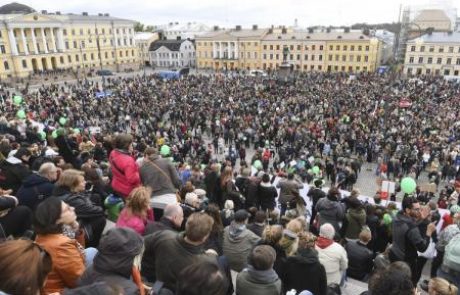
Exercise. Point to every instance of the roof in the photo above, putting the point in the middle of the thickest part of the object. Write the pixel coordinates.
(173, 45)
(429, 15)
(191, 26)
(85, 18)
(233, 34)
(16, 8)
(144, 36)
(438, 37)
(321, 36)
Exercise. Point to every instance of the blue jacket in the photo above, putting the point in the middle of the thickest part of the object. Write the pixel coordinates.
(34, 189)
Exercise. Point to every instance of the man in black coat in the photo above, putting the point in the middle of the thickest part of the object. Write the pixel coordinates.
(315, 194)
(14, 170)
(360, 258)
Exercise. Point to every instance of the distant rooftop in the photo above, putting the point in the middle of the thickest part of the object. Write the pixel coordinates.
(438, 37)
(16, 8)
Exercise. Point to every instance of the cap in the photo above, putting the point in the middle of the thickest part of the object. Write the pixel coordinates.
(241, 215)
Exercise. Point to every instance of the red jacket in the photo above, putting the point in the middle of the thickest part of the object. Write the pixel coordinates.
(125, 172)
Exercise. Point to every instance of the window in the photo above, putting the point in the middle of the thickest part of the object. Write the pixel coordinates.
(61, 59)
(428, 71)
(456, 73)
(420, 60)
(337, 57)
(451, 49)
(351, 58)
(64, 32)
(409, 71)
(92, 56)
(422, 48)
(366, 58)
(439, 60)
(6, 66)
(321, 47)
(2, 49)
(458, 61)
(75, 44)
(367, 48)
(447, 72)
(81, 32)
(412, 48)
(82, 44)
(345, 47)
(271, 55)
(411, 60)
(431, 49)
(271, 47)
(312, 57)
(352, 47)
(291, 47)
(291, 56)
(331, 47)
(441, 49)
(360, 48)
(320, 57)
(24, 64)
(73, 32)
(358, 58)
(437, 71)
(337, 47)
(344, 58)
(430, 60)
(449, 61)
(313, 47)
(69, 58)
(265, 47)
(84, 56)
(330, 57)
(299, 47)
(277, 47)
(77, 57)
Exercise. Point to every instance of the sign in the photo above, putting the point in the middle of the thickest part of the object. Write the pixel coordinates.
(94, 130)
(388, 187)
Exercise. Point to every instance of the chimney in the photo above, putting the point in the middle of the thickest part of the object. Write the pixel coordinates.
(366, 32)
(311, 30)
(238, 28)
(100, 14)
(216, 28)
(58, 13)
(328, 30)
(84, 13)
(347, 30)
(106, 14)
(254, 27)
(283, 30)
(44, 12)
(270, 31)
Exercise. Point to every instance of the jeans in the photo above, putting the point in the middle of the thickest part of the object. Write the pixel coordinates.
(90, 253)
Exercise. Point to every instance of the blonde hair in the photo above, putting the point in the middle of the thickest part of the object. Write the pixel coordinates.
(296, 225)
(70, 178)
(138, 201)
(443, 287)
(272, 234)
(289, 245)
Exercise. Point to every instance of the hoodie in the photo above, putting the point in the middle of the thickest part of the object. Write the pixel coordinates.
(113, 263)
(330, 211)
(254, 282)
(238, 242)
(304, 272)
(34, 189)
(12, 173)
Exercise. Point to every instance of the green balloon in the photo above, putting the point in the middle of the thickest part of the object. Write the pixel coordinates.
(76, 130)
(42, 135)
(165, 150)
(17, 99)
(21, 114)
(54, 134)
(257, 164)
(408, 185)
(315, 169)
(62, 120)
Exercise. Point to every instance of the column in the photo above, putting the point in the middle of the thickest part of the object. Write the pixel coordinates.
(236, 51)
(214, 50)
(24, 42)
(34, 40)
(14, 47)
(229, 49)
(60, 39)
(221, 50)
(53, 40)
(45, 48)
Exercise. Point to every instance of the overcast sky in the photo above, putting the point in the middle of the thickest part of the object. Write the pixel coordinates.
(228, 13)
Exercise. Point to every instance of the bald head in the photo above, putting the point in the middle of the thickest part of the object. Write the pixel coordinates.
(48, 170)
(174, 213)
(327, 231)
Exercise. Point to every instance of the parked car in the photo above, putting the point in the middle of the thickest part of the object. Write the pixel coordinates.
(104, 73)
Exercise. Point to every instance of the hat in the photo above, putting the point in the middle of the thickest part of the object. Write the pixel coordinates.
(241, 215)
(200, 192)
(51, 153)
(454, 209)
(191, 198)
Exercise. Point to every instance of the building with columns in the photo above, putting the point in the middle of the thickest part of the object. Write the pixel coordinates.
(32, 42)
(172, 54)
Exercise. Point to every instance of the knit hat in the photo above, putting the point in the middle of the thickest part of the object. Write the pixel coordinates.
(452, 254)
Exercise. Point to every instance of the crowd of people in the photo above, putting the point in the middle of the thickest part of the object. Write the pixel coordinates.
(202, 179)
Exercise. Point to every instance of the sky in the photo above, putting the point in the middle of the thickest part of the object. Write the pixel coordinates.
(228, 13)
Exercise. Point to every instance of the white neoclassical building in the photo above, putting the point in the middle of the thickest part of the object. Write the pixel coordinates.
(172, 54)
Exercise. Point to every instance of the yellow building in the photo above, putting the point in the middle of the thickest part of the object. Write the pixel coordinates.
(433, 54)
(31, 42)
(230, 49)
(322, 51)
(346, 51)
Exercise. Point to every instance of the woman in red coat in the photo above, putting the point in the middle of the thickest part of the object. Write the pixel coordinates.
(125, 172)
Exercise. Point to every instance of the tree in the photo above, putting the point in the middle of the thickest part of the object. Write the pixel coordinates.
(149, 29)
(138, 27)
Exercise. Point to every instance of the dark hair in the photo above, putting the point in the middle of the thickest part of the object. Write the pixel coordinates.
(25, 266)
(22, 152)
(262, 257)
(391, 282)
(290, 176)
(265, 178)
(46, 215)
(408, 203)
(122, 141)
(202, 278)
(260, 216)
(213, 211)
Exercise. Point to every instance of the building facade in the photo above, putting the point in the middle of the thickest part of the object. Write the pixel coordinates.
(172, 54)
(433, 54)
(32, 42)
(143, 41)
(190, 30)
(307, 50)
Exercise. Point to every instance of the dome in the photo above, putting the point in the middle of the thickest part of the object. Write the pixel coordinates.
(16, 8)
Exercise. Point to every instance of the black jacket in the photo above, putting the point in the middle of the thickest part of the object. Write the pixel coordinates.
(360, 260)
(84, 207)
(12, 173)
(34, 189)
(114, 262)
(266, 197)
(304, 272)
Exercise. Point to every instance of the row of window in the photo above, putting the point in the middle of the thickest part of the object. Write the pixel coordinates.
(307, 47)
(419, 71)
(96, 31)
(173, 63)
(126, 42)
(429, 60)
(271, 66)
(439, 49)
(171, 55)
(243, 44)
